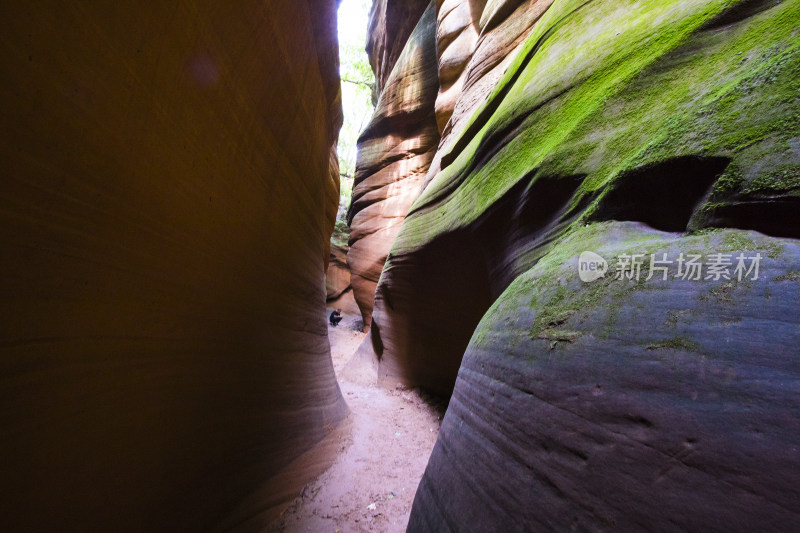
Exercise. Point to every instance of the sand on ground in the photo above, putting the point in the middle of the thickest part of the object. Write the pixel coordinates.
(371, 485)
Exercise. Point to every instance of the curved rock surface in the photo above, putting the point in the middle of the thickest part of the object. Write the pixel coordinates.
(559, 142)
(166, 205)
(481, 61)
(624, 405)
(457, 31)
(394, 153)
(390, 25)
(681, 117)
(337, 275)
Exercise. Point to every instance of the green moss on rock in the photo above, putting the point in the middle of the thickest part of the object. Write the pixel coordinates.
(653, 81)
(675, 343)
(791, 276)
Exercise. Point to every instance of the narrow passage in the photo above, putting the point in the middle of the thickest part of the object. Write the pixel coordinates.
(371, 485)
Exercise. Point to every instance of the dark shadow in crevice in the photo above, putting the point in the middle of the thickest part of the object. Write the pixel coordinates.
(375, 337)
(739, 12)
(426, 308)
(663, 195)
(528, 216)
(430, 302)
(776, 217)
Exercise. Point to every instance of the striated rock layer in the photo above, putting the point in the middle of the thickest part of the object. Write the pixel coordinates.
(475, 48)
(457, 30)
(394, 153)
(623, 405)
(390, 25)
(633, 405)
(337, 275)
(166, 204)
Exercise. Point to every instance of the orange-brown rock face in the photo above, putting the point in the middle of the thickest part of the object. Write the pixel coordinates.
(394, 154)
(457, 30)
(165, 207)
(391, 23)
(476, 42)
(337, 277)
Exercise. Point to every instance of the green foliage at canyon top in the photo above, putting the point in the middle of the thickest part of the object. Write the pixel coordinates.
(357, 86)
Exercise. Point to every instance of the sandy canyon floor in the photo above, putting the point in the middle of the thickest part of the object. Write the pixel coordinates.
(371, 485)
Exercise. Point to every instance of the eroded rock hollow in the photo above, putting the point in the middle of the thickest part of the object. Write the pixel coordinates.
(166, 204)
(663, 129)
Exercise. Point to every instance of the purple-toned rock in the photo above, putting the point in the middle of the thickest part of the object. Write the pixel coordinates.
(628, 404)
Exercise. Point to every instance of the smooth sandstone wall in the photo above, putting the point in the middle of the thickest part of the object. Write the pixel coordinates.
(165, 209)
(394, 154)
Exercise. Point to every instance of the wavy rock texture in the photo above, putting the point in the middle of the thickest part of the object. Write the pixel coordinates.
(663, 405)
(337, 275)
(166, 206)
(473, 56)
(394, 153)
(390, 25)
(457, 30)
(617, 405)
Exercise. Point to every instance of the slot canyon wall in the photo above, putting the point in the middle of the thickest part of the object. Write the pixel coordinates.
(166, 204)
(663, 130)
(396, 148)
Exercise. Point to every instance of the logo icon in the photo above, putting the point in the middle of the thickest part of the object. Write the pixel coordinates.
(591, 267)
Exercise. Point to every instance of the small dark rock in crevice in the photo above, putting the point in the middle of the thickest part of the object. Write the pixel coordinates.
(640, 420)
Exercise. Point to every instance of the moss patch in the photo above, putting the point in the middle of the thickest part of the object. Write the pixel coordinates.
(604, 87)
(791, 276)
(675, 343)
(341, 234)
(563, 335)
(781, 179)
